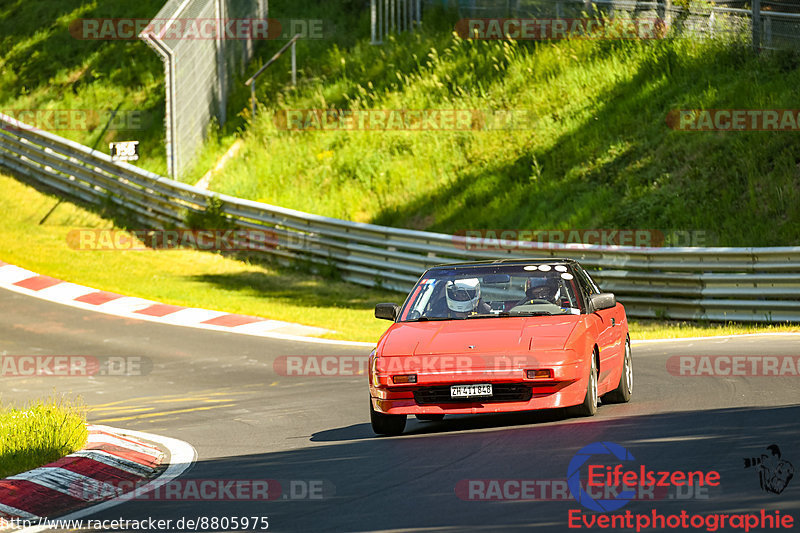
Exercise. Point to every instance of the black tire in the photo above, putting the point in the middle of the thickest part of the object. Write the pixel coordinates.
(624, 390)
(386, 424)
(589, 405)
(430, 418)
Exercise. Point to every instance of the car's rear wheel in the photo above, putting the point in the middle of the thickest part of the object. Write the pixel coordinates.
(589, 405)
(430, 418)
(624, 390)
(384, 424)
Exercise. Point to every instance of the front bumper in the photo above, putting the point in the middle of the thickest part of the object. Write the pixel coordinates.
(513, 391)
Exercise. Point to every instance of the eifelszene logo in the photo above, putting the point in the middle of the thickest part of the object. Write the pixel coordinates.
(774, 473)
(621, 481)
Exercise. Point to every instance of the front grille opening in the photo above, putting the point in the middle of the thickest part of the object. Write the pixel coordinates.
(501, 392)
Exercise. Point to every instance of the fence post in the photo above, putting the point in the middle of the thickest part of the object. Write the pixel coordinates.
(756, 17)
(373, 15)
(294, 62)
(668, 12)
(768, 32)
(712, 22)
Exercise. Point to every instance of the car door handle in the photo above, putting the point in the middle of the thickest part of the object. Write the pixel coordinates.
(613, 322)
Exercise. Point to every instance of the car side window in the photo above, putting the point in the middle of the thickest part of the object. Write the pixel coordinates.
(595, 287)
(587, 285)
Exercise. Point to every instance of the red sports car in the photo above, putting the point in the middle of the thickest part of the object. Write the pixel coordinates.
(499, 336)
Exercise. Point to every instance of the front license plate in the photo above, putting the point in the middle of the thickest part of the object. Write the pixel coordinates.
(471, 391)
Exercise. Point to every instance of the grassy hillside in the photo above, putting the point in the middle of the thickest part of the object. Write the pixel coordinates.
(597, 152)
(44, 67)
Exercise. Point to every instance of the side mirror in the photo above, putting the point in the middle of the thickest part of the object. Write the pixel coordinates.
(604, 300)
(387, 311)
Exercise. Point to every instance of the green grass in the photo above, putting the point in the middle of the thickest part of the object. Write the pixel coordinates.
(39, 433)
(677, 329)
(212, 281)
(179, 277)
(597, 153)
(42, 66)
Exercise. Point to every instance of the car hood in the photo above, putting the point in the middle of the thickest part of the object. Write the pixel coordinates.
(478, 336)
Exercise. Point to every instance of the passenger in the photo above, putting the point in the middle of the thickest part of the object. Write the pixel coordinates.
(547, 291)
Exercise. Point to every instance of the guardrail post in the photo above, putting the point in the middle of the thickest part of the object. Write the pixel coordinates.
(756, 18)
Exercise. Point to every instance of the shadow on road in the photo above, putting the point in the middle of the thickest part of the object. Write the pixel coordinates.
(409, 482)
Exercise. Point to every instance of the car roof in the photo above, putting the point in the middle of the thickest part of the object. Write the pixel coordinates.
(510, 262)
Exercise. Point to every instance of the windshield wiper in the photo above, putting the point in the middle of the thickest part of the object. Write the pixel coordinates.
(430, 318)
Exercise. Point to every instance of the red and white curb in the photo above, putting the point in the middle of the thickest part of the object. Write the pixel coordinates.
(55, 290)
(111, 459)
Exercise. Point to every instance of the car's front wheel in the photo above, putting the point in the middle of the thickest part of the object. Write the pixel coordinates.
(384, 424)
(589, 405)
(624, 390)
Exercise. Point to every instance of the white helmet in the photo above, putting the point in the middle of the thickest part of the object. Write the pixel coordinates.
(463, 294)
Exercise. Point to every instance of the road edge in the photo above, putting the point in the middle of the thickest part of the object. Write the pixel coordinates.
(182, 456)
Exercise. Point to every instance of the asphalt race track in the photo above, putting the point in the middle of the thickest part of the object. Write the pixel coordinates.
(221, 393)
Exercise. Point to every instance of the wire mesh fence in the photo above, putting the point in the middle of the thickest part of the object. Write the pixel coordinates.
(391, 16)
(204, 44)
(776, 27)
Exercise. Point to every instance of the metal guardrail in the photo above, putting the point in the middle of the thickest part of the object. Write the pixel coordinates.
(743, 284)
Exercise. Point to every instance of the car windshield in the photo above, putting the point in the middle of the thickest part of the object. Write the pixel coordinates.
(497, 291)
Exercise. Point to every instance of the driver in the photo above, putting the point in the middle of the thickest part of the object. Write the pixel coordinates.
(546, 291)
(464, 297)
